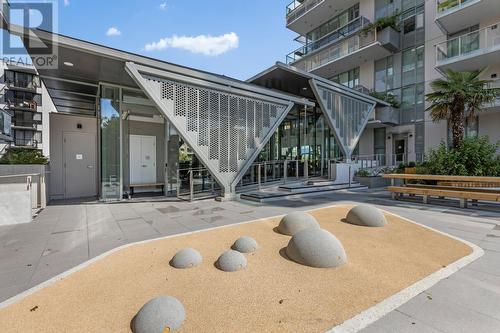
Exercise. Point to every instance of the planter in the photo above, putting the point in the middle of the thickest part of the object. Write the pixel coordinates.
(411, 171)
(372, 181)
(389, 38)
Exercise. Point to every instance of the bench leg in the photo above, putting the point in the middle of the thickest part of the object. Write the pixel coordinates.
(474, 202)
(463, 203)
(425, 199)
(395, 196)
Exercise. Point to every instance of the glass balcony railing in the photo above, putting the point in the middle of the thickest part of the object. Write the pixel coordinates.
(297, 8)
(444, 6)
(336, 51)
(25, 84)
(476, 42)
(350, 28)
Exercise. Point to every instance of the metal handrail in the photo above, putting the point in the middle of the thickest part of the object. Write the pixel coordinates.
(332, 37)
(446, 5)
(296, 9)
(468, 43)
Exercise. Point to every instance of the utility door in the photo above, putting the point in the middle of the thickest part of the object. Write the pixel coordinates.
(79, 165)
(142, 159)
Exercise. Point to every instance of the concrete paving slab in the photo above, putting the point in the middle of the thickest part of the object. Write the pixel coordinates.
(448, 316)
(397, 322)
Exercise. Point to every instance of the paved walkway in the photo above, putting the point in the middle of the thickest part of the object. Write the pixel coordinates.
(64, 236)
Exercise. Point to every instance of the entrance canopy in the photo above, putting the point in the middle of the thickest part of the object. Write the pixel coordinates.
(346, 110)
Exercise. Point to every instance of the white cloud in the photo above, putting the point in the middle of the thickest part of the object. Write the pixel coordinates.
(163, 6)
(66, 2)
(113, 31)
(202, 44)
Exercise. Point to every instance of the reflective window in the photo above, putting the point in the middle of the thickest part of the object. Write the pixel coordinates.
(110, 144)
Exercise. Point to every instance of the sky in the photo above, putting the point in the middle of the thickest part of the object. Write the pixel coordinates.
(237, 38)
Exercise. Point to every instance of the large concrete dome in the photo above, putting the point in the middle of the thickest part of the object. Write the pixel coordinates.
(186, 258)
(316, 248)
(295, 222)
(245, 244)
(231, 261)
(159, 315)
(367, 216)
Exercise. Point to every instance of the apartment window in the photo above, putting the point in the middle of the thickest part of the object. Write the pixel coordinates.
(334, 24)
(412, 22)
(420, 141)
(379, 141)
(20, 97)
(21, 79)
(413, 66)
(384, 8)
(412, 103)
(349, 79)
(407, 4)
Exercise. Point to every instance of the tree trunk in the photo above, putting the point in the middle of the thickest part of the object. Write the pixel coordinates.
(457, 122)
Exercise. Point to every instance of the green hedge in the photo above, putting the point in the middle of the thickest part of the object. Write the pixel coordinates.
(476, 157)
(23, 156)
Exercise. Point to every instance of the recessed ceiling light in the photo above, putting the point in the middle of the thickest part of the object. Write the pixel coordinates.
(69, 64)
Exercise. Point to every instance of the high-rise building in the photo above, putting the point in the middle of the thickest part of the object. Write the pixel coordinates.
(21, 105)
(397, 47)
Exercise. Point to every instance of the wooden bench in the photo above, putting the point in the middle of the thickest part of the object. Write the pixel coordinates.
(463, 196)
(155, 185)
(471, 189)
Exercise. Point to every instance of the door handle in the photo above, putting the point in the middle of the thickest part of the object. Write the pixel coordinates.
(90, 166)
(144, 166)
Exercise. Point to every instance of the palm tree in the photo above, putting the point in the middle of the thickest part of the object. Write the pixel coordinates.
(458, 96)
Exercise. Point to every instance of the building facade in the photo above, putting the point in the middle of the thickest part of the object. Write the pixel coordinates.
(426, 39)
(24, 122)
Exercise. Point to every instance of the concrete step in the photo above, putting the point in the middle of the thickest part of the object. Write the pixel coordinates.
(279, 194)
(307, 187)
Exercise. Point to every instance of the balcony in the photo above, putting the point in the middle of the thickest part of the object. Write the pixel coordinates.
(303, 16)
(471, 51)
(23, 85)
(455, 15)
(28, 125)
(335, 36)
(22, 105)
(350, 52)
(25, 143)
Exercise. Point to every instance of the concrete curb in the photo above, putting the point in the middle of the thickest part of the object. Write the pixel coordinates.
(354, 324)
(371, 315)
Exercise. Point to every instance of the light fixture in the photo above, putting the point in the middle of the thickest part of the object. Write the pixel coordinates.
(69, 64)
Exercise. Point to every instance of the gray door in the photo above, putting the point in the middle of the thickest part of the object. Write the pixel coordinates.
(79, 165)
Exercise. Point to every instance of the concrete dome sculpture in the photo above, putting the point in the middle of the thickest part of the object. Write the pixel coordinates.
(159, 315)
(295, 222)
(245, 244)
(231, 261)
(186, 258)
(316, 248)
(367, 216)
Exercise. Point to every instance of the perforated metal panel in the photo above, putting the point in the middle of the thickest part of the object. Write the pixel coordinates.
(346, 115)
(226, 128)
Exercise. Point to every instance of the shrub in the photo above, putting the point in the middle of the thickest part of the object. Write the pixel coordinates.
(476, 157)
(363, 173)
(23, 156)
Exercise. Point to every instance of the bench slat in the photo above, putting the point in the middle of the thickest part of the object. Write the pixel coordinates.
(443, 178)
(446, 193)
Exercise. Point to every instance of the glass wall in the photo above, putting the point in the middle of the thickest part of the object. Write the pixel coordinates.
(303, 135)
(111, 177)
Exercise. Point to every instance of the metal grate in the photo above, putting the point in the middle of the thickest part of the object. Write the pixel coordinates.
(347, 116)
(227, 127)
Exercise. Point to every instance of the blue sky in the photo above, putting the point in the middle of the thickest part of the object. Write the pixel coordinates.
(257, 25)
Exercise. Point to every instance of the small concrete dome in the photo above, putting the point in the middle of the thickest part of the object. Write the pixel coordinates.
(245, 244)
(367, 216)
(296, 221)
(316, 248)
(231, 261)
(186, 258)
(159, 315)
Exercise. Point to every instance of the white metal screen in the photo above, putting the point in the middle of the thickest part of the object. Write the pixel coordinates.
(225, 129)
(346, 115)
